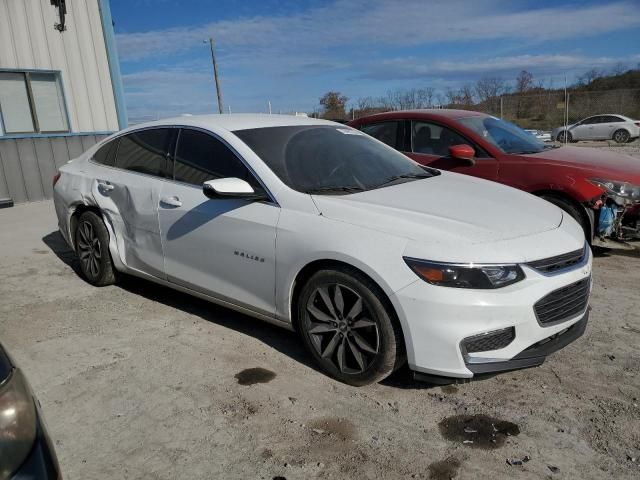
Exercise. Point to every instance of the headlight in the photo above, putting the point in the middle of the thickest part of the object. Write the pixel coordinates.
(17, 420)
(467, 275)
(623, 190)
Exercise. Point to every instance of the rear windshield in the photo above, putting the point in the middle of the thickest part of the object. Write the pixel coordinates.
(328, 159)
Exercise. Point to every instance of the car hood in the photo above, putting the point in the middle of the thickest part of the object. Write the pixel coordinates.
(611, 165)
(446, 208)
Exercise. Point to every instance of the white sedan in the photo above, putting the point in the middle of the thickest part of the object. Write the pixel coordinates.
(317, 227)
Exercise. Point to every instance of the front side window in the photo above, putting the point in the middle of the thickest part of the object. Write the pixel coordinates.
(432, 139)
(32, 102)
(201, 157)
(147, 151)
(386, 132)
(505, 135)
(330, 160)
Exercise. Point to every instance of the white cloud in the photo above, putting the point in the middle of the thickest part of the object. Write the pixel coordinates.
(363, 23)
(546, 64)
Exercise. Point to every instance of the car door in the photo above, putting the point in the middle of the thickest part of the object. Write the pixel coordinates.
(584, 129)
(428, 144)
(128, 195)
(600, 128)
(221, 247)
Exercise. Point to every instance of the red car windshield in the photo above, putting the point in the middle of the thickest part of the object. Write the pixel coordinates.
(506, 136)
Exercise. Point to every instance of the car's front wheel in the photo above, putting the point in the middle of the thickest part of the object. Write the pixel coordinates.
(346, 324)
(92, 246)
(621, 136)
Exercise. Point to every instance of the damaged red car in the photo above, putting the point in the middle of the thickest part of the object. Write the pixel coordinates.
(599, 188)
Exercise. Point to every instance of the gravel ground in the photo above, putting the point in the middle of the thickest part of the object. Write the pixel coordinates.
(138, 381)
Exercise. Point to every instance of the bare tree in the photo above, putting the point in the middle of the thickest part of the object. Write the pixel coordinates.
(489, 87)
(619, 68)
(524, 82)
(589, 76)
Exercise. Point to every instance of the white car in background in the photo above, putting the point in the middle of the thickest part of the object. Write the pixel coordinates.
(540, 135)
(618, 128)
(322, 229)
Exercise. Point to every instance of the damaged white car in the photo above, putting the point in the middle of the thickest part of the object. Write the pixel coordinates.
(314, 226)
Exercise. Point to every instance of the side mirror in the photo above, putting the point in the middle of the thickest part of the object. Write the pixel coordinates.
(463, 152)
(230, 188)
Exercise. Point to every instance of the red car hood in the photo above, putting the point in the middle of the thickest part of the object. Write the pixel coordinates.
(611, 165)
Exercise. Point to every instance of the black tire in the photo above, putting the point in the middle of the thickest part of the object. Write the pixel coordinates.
(92, 247)
(348, 332)
(572, 210)
(561, 136)
(621, 136)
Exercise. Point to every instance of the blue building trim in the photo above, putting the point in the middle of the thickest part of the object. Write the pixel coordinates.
(14, 136)
(114, 63)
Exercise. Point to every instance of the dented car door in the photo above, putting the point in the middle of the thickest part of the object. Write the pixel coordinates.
(128, 195)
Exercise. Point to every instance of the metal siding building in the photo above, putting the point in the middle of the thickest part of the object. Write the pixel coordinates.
(60, 91)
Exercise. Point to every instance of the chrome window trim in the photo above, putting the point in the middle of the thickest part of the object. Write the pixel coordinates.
(272, 199)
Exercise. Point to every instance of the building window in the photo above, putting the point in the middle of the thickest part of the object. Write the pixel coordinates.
(32, 102)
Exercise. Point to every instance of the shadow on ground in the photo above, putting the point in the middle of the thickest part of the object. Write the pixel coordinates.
(282, 340)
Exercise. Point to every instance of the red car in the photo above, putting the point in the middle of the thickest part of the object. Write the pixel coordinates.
(585, 182)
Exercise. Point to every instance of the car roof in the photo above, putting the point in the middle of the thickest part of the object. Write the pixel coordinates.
(427, 113)
(235, 121)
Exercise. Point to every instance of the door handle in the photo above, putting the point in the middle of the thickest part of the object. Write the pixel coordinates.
(171, 201)
(105, 186)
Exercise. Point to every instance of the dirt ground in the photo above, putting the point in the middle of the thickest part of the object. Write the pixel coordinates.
(138, 381)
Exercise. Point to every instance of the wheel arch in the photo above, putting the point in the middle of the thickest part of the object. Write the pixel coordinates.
(81, 208)
(73, 220)
(623, 128)
(307, 271)
(587, 217)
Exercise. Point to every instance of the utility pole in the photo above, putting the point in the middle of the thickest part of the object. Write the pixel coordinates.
(269, 102)
(215, 75)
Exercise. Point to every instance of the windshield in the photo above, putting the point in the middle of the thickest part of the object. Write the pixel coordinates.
(330, 160)
(506, 136)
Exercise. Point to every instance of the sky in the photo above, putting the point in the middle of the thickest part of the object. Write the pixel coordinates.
(291, 52)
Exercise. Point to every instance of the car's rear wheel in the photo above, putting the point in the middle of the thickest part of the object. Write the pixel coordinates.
(621, 136)
(562, 135)
(92, 247)
(347, 326)
(572, 210)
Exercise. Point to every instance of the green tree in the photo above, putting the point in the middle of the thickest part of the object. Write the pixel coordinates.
(333, 106)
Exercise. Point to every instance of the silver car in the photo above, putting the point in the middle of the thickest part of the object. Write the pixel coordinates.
(619, 128)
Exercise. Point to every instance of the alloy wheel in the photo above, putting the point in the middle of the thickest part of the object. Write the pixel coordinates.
(341, 328)
(621, 136)
(89, 249)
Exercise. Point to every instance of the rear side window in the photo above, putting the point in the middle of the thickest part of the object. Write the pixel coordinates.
(201, 157)
(386, 132)
(106, 154)
(147, 152)
(613, 119)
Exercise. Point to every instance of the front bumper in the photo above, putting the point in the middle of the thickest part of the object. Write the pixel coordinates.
(436, 322)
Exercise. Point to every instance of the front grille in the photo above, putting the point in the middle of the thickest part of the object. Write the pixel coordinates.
(564, 303)
(559, 262)
(489, 341)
